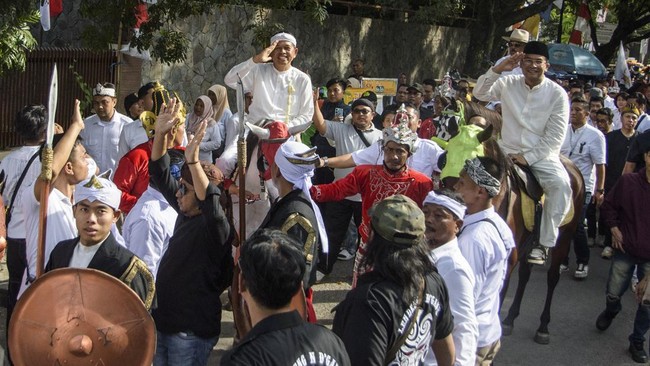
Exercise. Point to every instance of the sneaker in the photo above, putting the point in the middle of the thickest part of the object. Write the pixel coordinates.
(538, 255)
(607, 253)
(564, 268)
(345, 255)
(638, 353)
(582, 271)
(604, 320)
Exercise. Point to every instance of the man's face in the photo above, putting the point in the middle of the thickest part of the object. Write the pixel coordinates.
(104, 106)
(188, 204)
(533, 68)
(514, 47)
(441, 226)
(578, 114)
(94, 221)
(428, 93)
(77, 164)
(402, 94)
(283, 54)
(357, 67)
(628, 121)
(395, 156)
(362, 117)
(414, 120)
(415, 97)
(335, 93)
(147, 100)
(468, 190)
(593, 108)
(603, 123)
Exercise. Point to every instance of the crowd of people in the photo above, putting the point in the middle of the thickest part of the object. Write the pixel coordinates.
(152, 198)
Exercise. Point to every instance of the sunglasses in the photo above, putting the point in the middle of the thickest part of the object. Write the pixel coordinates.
(362, 111)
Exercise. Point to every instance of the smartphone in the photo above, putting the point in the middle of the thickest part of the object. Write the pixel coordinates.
(338, 113)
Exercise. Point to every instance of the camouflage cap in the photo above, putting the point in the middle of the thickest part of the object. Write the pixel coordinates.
(398, 219)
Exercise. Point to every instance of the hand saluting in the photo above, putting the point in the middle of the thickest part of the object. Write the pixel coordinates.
(265, 55)
(509, 64)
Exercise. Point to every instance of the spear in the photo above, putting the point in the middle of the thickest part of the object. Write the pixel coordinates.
(46, 173)
(241, 160)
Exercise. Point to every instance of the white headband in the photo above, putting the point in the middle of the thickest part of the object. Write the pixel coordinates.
(296, 164)
(101, 90)
(98, 189)
(452, 205)
(285, 37)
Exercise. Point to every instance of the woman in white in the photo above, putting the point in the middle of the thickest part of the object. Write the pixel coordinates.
(212, 140)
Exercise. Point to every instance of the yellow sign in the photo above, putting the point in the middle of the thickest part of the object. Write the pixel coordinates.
(380, 86)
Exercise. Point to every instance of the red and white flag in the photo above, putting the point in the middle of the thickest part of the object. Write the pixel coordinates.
(50, 9)
(581, 33)
(622, 72)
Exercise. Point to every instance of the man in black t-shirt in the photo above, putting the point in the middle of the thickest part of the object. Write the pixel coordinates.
(402, 295)
(272, 268)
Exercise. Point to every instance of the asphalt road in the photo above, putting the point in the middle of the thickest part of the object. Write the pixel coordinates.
(574, 337)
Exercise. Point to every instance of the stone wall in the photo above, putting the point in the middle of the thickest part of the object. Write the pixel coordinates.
(220, 41)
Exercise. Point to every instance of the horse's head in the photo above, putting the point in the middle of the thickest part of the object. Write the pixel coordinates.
(467, 144)
(272, 135)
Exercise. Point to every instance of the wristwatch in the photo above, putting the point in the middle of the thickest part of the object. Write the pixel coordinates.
(326, 162)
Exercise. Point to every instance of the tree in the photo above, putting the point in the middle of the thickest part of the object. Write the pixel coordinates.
(15, 37)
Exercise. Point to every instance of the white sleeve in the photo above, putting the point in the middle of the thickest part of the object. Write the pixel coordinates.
(306, 107)
(461, 301)
(243, 70)
(370, 155)
(145, 239)
(123, 146)
(487, 89)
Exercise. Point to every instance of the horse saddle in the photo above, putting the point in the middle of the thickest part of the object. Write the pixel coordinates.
(531, 194)
(527, 182)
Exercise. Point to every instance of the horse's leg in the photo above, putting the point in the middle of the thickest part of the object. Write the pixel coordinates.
(513, 313)
(552, 278)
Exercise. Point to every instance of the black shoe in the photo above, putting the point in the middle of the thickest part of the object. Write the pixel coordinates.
(604, 320)
(638, 353)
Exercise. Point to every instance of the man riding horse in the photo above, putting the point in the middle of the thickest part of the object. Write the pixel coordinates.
(535, 114)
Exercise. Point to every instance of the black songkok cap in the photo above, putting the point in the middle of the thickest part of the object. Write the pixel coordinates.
(145, 89)
(536, 48)
(363, 102)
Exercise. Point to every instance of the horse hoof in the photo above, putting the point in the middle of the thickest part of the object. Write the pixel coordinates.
(542, 338)
(506, 329)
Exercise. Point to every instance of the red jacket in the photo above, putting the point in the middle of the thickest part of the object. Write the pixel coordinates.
(132, 175)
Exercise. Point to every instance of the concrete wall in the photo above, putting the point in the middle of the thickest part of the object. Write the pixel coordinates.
(220, 41)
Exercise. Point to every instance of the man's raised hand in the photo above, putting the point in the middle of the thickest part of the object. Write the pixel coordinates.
(265, 55)
(167, 118)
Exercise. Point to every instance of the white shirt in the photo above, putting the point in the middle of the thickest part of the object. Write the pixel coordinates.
(102, 139)
(586, 148)
(148, 228)
(610, 103)
(61, 226)
(348, 141)
(534, 119)
(616, 121)
(278, 95)
(515, 71)
(486, 250)
(459, 278)
(424, 160)
(13, 165)
(82, 255)
(643, 123)
(133, 134)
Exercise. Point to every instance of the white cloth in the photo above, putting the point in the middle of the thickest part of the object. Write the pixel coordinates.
(616, 121)
(643, 123)
(515, 71)
(300, 176)
(459, 278)
(348, 141)
(102, 139)
(278, 95)
(82, 255)
(610, 103)
(424, 160)
(486, 250)
(132, 135)
(534, 124)
(98, 189)
(586, 148)
(61, 226)
(13, 165)
(148, 228)
(228, 159)
(211, 141)
(452, 205)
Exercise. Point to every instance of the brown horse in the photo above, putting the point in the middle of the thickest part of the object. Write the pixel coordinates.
(509, 206)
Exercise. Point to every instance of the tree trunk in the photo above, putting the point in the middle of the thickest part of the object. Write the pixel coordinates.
(482, 34)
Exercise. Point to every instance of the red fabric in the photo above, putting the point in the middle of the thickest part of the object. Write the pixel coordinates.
(132, 175)
(278, 130)
(56, 7)
(427, 129)
(374, 183)
(311, 312)
(141, 15)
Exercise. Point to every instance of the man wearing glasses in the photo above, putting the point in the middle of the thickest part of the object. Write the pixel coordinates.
(535, 116)
(349, 138)
(516, 42)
